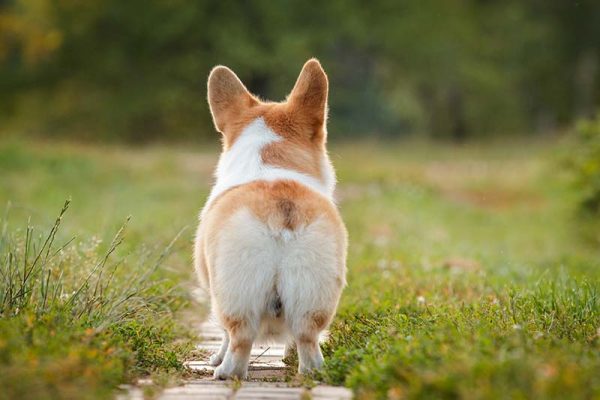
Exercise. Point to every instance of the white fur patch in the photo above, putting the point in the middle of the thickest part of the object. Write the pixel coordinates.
(243, 163)
(250, 262)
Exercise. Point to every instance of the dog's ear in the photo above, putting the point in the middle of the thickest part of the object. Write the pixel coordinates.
(227, 97)
(309, 96)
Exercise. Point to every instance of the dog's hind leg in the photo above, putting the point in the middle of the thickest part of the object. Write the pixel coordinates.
(217, 358)
(244, 261)
(310, 281)
(306, 331)
(241, 336)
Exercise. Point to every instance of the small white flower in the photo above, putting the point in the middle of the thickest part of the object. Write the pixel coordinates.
(420, 300)
(517, 327)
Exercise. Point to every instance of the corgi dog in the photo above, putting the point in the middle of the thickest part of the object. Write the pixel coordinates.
(270, 248)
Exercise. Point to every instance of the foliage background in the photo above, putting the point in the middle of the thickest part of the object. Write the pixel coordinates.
(135, 70)
(474, 265)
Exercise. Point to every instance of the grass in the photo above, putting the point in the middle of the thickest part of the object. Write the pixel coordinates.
(470, 275)
(86, 303)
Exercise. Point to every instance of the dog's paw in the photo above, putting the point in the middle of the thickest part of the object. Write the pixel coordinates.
(305, 370)
(215, 360)
(222, 373)
(311, 367)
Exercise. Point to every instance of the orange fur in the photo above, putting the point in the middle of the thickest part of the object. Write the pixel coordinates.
(279, 204)
(233, 324)
(227, 96)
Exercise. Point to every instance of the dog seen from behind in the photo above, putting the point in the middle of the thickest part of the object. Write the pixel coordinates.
(271, 246)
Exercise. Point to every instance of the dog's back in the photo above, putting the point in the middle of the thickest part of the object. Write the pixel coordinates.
(271, 246)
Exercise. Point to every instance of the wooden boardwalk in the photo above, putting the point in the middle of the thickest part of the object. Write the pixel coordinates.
(266, 378)
(266, 375)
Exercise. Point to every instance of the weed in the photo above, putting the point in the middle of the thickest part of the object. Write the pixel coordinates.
(79, 321)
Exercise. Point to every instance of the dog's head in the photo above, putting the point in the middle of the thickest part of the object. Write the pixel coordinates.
(301, 117)
(299, 121)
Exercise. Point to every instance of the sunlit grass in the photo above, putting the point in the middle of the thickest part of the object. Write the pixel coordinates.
(470, 276)
(470, 273)
(76, 320)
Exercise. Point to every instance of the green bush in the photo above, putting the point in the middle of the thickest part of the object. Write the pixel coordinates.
(585, 163)
(113, 70)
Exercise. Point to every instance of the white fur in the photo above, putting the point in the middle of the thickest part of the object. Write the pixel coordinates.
(253, 264)
(242, 163)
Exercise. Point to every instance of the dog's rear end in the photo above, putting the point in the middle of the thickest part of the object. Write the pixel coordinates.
(271, 246)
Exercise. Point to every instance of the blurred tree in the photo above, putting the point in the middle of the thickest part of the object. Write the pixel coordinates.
(570, 81)
(135, 70)
(584, 163)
